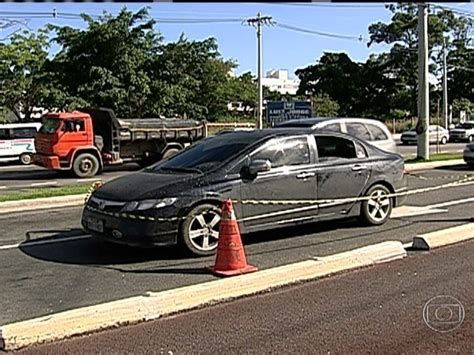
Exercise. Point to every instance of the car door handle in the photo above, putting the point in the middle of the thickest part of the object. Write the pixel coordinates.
(359, 167)
(305, 175)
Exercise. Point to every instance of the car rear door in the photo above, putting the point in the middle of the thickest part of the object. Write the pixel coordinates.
(291, 177)
(343, 171)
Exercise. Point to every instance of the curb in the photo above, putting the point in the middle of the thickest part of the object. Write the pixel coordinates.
(433, 165)
(444, 237)
(154, 305)
(42, 203)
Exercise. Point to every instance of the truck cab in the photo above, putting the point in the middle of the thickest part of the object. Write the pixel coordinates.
(62, 139)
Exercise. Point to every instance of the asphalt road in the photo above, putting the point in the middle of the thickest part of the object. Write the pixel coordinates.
(380, 309)
(49, 265)
(15, 177)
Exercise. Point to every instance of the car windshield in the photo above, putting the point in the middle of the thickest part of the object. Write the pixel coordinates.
(50, 125)
(203, 156)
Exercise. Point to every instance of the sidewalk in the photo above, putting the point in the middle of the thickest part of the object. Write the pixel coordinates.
(78, 200)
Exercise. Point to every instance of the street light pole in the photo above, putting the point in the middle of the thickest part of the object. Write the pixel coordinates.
(445, 86)
(423, 150)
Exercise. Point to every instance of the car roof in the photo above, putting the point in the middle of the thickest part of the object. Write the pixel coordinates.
(312, 121)
(258, 134)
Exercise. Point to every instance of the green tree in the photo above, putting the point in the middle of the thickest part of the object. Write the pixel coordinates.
(22, 80)
(106, 64)
(324, 106)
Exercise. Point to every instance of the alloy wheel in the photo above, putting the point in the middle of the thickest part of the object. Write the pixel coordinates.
(203, 230)
(378, 205)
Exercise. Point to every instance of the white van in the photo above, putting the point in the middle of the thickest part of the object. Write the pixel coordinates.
(367, 129)
(17, 141)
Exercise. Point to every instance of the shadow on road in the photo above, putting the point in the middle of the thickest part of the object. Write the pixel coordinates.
(459, 167)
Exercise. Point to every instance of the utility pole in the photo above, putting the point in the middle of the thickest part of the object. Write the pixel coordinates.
(259, 21)
(445, 86)
(423, 150)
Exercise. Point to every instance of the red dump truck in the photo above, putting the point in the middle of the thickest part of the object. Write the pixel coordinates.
(85, 141)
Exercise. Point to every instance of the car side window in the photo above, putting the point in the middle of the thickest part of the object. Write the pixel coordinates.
(377, 133)
(335, 127)
(285, 152)
(23, 132)
(333, 148)
(358, 130)
(4, 133)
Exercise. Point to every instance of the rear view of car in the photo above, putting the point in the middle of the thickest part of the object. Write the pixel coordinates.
(369, 130)
(463, 132)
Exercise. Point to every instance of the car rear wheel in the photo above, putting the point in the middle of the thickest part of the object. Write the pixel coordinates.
(377, 208)
(199, 232)
(444, 140)
(170, 152)
(26, 158)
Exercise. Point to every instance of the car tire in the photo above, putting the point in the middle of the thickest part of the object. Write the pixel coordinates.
(170, 152)
(26, 158)
(199, 232)
(470, 139)
(85, 165)
(377, 209)
(444, 140)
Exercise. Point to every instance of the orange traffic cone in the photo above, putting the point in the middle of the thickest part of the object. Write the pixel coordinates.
(230, 258)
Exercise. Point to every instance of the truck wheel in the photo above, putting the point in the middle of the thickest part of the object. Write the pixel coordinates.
(170, 152)
(200, 230)
(85, 165)
(25, 159)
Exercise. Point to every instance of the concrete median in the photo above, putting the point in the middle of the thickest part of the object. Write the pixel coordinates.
(42, 203)
(154, 305)
(444, 237)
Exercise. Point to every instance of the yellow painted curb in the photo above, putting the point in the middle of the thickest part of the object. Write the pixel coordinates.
(444, 237)
(154, 305)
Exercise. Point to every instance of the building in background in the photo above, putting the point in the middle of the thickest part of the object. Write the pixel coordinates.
(278, 80)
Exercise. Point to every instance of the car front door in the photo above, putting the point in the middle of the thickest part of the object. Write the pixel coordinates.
(291, 177)
(342, 172)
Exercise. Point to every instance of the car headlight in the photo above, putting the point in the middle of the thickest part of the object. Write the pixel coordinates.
(148, 204)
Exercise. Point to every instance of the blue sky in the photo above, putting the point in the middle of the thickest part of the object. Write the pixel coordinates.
(283, 49)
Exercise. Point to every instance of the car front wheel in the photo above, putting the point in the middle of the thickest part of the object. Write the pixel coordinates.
(377, 208)
(199, 232)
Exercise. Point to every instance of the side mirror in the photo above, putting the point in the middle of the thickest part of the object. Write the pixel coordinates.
(256, 166)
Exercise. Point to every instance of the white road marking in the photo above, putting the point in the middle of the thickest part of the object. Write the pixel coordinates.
(407, 211)
(42, 242)
(86, 180)
(44, 183)
(452, 203)
(3, 187)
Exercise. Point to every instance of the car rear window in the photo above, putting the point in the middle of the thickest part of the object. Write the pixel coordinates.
(335, 148)
(358, 130)
(377, 133)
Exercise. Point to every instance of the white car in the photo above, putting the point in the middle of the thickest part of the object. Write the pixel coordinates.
(367, 129)
(463, 132)
(436, 134)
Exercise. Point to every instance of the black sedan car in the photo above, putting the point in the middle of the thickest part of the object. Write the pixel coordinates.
(178, 200)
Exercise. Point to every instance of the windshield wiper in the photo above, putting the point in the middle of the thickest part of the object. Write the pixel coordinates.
(179, 169)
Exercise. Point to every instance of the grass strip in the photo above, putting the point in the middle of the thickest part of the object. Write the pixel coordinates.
(46, 192)
(435, 157)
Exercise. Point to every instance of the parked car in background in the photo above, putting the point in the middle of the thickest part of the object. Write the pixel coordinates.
(369, 130)
(469, 154)
(17, 141)
(463, 132)
(436, 134)
(178, 200)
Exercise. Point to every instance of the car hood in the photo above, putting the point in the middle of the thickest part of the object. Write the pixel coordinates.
(142, 185)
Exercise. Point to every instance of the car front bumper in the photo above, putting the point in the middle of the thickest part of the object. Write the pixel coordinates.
(130, 229)
(47, 161)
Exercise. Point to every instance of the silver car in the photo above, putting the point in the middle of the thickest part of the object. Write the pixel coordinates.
(469, 155)
(436, 134)
(367, 129)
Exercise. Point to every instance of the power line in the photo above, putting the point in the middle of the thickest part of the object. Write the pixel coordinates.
(320, 33)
